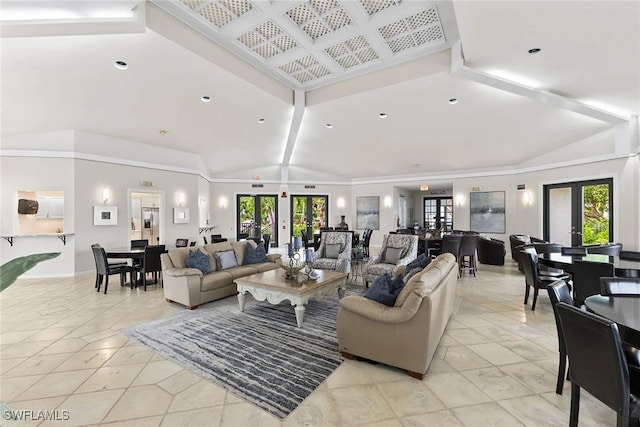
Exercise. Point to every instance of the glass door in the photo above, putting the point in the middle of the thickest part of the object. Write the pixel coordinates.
(257, 216)
(438, 213)
(308, 213)
(579, 213)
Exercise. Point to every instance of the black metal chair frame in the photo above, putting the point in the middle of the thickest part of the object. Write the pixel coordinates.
(104, 269)
(532, 277)
(150, 264)
(559, 292)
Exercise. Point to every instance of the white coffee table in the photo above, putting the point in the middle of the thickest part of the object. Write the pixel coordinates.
(272, 287)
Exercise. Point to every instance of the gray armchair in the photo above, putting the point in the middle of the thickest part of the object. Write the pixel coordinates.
(334, 252)
(390, 257)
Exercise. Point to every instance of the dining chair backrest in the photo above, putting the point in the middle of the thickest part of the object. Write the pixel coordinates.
(547, 248)
(139, 243)
(620, 286)
(559, 292)
(266, 238)
(529, 259)
(151, 261)
(611, 249)
(586, 279)
(579, 250)
(100, 256)
(596, 359)
(468, 245)
(451, 244)
(631, 255)
(182, 243)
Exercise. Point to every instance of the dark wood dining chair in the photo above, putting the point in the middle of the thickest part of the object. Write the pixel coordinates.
(139, 243)
(579, 250)
(560, 292)
(611, 249)
(620, 286)
(104, 269)
(598, 365)
(532, 276)
(586, 279)
(150, 264)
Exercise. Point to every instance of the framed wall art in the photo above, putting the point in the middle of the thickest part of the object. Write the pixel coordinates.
(181, 215)
(488, 211)
(368, 212)
(105, 215)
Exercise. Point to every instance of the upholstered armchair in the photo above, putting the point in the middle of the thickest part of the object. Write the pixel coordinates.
(397, 249)
(334, 252)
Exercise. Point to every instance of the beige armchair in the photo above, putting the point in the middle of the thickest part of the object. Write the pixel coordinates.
(405, 335)
(334, 252)
(390, 257)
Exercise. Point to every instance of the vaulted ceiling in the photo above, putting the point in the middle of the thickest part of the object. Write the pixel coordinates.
(378, 72)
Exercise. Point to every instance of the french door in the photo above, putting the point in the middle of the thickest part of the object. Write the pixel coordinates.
(438, 211)
(579, 213)
(257, 216)
(308, 213)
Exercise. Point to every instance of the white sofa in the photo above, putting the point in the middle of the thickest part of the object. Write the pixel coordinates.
(189, 287)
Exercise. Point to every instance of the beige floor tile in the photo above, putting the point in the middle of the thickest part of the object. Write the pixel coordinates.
(56, 384)
(455, 390)
(87, 408)
(433, 419)
(179, 382)
(593, 413)
(50, 334)
(496, 384)
(381, 373)
(535, 411)
(22, 349)
(111, 377)
(411, 397)
(30, 416)
(361, 404)
(154, 372)
(467, 336)
(39, 364)
(246, 415)
(530, 349)
(496, 333)
(496, 354)
(350, 372)
(12, 337)
(207, 417)
(139, 402)
(317, 410)
(200, 395)
(130, 354)
(8, 364)
(461, 358)
(65, 345)
(472, 320)
(136, 422)
(532, 376)
(114, 341)
(86, 360)
(486, 415)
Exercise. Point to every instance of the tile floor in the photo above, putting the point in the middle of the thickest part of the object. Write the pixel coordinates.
(61, 348)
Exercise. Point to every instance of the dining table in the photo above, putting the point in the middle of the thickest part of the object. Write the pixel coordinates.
(135, 254)
(624, 310)
(622, 266)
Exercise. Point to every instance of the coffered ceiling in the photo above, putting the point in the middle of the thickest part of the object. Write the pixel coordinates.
(378, 72)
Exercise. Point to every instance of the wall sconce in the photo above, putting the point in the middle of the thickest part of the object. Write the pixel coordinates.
(527, 198)
(460, 199)
(181, 199)
(387, 202)
(340, 203)
(222, 202)
(105, 195)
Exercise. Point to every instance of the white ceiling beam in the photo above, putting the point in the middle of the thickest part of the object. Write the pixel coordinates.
(299, 105)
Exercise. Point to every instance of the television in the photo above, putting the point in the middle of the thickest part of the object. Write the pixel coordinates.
(27, 207)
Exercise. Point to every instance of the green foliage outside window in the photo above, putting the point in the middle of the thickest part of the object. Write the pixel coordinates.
(595, 214)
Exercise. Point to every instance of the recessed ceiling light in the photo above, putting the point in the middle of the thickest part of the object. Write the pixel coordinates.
(329, 125)
(534, 50)
(382, 115)
(121, 65)
(453, 101)
(205, 98)
(261, 121)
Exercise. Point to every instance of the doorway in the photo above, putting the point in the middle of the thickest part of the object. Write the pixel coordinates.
(146, 215)
(257, 216)
(438, 213)
(308, 213)
(579, 213)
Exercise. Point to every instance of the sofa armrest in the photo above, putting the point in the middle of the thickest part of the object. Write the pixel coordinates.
(180, 272)
(374, 310)
(274, 257)
(374, 259)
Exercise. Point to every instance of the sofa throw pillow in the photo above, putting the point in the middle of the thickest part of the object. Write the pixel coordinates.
(332, 250)
(226, 259)
(392, 255)
(255, 255)
(421, 262)
(198, 259)
(385, 289)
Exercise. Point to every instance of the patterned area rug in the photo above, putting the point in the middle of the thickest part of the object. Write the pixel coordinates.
(259, 355)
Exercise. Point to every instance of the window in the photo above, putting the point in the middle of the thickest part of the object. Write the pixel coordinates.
(438, 211)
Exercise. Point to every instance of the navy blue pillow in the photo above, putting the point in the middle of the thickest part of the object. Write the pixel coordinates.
(385, 289)
(255, 255)
(421, 262)
(199, 260)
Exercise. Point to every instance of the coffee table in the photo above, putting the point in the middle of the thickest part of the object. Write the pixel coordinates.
(272, 287)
